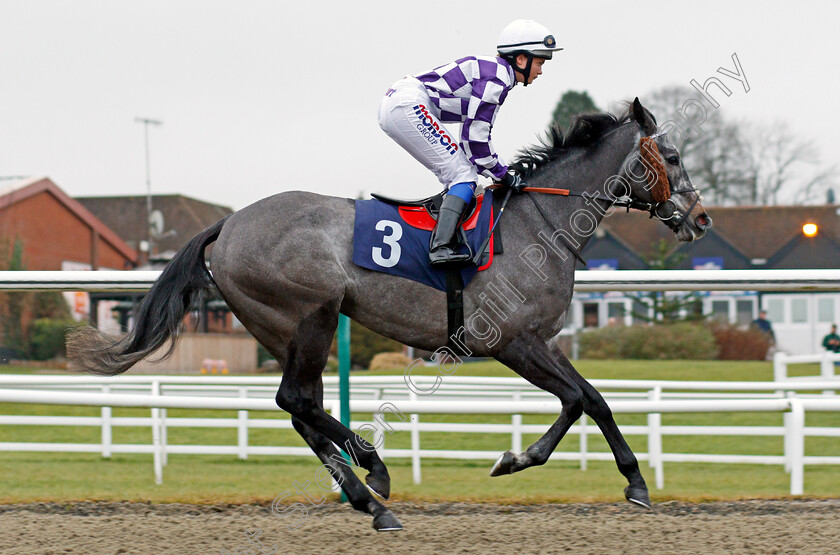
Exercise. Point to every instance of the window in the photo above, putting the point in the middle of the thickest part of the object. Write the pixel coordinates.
(744, 310)
(615, 312)
(641, 311)
(720, 310)
(825, 309)
(590, 315)
(695, 308)
(775, 310)
(799, 310)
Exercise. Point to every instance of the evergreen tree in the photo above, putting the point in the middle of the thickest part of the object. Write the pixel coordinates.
(673, 307)
(13, 304)
(571, 104)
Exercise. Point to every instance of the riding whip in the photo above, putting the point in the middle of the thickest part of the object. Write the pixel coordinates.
(480, 251)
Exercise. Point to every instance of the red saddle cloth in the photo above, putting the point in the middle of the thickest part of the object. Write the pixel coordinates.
(419, 217)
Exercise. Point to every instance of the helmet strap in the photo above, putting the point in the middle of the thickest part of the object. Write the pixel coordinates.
(511, 58)
(527, 71)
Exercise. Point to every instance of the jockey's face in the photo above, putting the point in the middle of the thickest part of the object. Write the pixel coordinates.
(536, 68)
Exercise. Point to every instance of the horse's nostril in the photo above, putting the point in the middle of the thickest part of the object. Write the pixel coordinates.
(703, 221)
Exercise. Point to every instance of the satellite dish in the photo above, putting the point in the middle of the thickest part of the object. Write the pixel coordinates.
(156, 223)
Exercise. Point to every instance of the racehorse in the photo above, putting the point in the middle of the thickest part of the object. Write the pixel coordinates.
(284, 267)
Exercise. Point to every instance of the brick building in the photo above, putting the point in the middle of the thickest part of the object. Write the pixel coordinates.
(42, 228)
(55, 231)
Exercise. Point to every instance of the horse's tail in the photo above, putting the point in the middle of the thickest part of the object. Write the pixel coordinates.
(158, 317)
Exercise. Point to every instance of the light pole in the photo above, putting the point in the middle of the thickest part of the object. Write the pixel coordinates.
(146, 122)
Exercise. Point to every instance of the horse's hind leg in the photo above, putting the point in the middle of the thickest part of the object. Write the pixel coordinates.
(295, 397)
(303, 360)
(595, 406)
(300, 395)
(361, 499)
(301, 345)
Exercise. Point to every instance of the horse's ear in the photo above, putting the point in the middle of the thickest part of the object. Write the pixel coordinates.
(638, 112)
(643, 118)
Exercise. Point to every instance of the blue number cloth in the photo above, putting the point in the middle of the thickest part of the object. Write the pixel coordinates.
(383, 241)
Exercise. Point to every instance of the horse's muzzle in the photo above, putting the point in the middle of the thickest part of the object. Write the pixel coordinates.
(703, 221)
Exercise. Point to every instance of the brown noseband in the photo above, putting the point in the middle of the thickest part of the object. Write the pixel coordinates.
(660, 187)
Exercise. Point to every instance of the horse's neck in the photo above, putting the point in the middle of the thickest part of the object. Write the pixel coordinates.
(583, 173)
(572, 220)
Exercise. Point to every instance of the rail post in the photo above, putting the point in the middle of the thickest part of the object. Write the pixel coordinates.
(164, 438)
(827, 369)
(655, 439)
(584, 442)
(516, 424)
(415, 443)
(797, 446)
(156, 446)
(779, 369)
(242, 435)
(107, 435)
(378, 429)
(787, 422)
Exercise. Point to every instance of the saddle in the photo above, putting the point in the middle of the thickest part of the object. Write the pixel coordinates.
(392, 236)
(422, 214)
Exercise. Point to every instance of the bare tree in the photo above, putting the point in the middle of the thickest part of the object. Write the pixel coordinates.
(712, 148)
(784, 168)
(739, 162)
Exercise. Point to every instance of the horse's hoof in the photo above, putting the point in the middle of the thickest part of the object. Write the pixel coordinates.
(387, 522)
(639, 496)
(503, 465)
(378, 486)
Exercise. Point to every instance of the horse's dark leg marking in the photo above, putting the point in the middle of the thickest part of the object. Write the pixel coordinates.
(357, 493)
(530, 358)
(596, 407)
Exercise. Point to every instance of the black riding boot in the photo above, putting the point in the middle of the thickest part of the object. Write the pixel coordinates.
(443, 245)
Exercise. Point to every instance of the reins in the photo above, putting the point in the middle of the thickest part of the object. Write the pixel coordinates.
(563, 239)
(663, 208)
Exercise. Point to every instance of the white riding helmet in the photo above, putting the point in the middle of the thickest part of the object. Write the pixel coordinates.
(525, 36)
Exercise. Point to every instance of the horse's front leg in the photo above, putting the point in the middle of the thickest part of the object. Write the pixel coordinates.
(596, 407)
(530, 357)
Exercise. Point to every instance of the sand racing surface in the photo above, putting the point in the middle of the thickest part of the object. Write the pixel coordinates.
(766, 526)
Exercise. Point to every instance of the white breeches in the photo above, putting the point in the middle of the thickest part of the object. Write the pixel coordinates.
(406, 115)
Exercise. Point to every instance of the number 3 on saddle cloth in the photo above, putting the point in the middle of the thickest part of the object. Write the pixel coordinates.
(393, 237)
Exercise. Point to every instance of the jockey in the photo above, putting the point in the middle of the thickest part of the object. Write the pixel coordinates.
(467, 91)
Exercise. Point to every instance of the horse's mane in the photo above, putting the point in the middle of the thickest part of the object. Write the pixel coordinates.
(586, 132)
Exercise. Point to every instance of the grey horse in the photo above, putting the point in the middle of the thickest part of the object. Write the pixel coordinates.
(284, 267)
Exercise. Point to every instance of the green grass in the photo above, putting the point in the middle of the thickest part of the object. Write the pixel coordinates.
(14, 369)
(208, 478)
(31, 477)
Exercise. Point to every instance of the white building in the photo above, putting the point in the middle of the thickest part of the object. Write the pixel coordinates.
(741, 238)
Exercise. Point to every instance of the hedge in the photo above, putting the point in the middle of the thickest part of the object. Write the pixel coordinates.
(668, 341)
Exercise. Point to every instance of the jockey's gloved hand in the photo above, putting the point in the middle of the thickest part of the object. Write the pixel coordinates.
(514, 182)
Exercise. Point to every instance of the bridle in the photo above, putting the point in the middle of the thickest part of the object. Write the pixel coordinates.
(663, 208)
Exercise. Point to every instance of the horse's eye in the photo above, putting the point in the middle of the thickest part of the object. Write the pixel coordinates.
(673, 159)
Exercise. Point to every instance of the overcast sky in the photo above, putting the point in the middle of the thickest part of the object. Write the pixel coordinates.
(262, 97)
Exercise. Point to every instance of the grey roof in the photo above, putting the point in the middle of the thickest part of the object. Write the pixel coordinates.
(183, 217)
